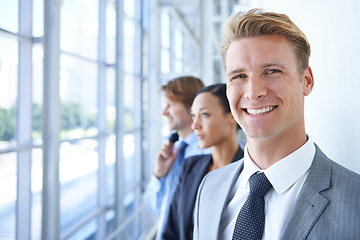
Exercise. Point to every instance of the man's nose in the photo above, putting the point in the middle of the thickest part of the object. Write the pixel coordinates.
(255, 88)
(165, 111)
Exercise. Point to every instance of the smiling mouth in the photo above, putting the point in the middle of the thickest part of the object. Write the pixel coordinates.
(258, 111)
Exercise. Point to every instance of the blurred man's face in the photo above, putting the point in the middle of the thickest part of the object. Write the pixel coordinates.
(178, 116)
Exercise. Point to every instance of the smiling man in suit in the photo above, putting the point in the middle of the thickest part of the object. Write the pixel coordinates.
(266, 59)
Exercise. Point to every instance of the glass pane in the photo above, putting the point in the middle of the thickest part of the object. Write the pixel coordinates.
(129, 47)
(110, 33)
(78, 180)
(178, 66)
(8, 170)
(178, 39)
(165, 61)
(110, 166)
(130, 205)
(36, 190)
(38, 18)
(8, 91)
(129, 159)
(9, 11)
(178, 45)
(191, 58)
(78, 94)
(129, 101)
(129, 8)
(165, 29)
(79, 27)
(110, 100)
(37, 93)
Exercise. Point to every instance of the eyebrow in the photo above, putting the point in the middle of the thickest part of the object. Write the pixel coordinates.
(201, 109)
(265, 65)
(273, 64)
(235, 71)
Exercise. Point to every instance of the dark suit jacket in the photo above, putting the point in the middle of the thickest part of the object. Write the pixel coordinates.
(180, 219)
(328, 205)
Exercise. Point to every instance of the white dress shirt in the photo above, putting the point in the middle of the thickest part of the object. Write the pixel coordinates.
(287, 177)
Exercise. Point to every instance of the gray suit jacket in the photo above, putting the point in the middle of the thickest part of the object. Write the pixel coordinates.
(328, 205)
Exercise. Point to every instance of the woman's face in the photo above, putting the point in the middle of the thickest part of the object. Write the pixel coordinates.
(210, 122)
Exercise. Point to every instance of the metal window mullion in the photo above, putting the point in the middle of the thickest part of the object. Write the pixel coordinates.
(144, 105)
(51, 122)
(83, 58)
(138, 116)
(138, 141)
(206, 40)
(154, 81)
(119, 130)
(16, 36)
(225, 12)
(24, 123)
(101, 121)
(173, 26)
(80, 223)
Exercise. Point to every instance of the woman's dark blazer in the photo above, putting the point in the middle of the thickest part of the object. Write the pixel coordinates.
(180, 221)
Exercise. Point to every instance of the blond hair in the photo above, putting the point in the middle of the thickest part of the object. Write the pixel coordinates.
(255, 23)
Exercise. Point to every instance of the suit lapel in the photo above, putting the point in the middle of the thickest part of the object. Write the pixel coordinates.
(310, 202)
(224, 190)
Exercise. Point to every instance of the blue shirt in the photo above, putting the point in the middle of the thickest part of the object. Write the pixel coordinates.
(159, 192)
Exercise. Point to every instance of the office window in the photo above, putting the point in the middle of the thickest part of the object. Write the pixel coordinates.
(89, 77)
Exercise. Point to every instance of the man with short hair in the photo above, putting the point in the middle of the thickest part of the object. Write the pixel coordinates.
(285, 187)
(179, 95)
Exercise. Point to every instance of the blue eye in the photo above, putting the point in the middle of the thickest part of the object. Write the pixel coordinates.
(274, 71)
(240, 76)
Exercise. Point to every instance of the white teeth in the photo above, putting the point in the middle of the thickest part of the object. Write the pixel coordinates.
(259, 111)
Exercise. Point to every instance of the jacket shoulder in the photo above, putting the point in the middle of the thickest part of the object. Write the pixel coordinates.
(221, 175)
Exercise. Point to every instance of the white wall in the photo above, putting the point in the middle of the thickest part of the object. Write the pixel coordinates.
(332, 111)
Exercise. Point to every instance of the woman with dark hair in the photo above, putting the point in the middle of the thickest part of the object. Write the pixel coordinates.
(214, 127)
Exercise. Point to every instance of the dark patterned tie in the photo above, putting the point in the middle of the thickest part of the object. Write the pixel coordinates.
(251, 219)
(181, 152)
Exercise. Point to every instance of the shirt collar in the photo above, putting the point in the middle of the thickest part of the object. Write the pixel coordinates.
(284, 173)
(190, 140)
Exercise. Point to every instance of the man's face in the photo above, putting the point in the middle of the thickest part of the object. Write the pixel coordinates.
(178, 116)
(264, 87)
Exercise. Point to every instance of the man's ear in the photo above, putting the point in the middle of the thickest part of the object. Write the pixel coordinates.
(308, 81)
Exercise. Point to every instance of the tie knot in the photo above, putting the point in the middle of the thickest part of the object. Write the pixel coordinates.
(182, 146)
(259, 184)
